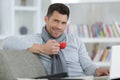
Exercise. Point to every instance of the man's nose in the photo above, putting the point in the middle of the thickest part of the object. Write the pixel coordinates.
(59, 25)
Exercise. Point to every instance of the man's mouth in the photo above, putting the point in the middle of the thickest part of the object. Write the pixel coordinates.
(57, 31)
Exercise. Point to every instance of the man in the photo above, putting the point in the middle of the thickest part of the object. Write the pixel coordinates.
(73, 60)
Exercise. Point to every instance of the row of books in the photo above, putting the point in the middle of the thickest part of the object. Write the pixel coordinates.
(102, 55)
(96, 30)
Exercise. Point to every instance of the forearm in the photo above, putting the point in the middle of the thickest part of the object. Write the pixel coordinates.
(49, 48)
(39, 48)
(36, 48)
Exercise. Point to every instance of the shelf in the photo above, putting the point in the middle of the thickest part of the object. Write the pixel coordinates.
(16, 17)
(103, 64)
(25, 8)
(82, 1)
(100, 40)
(3, 37)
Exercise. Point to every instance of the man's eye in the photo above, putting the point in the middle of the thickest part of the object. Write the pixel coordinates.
(64, 23)
(55, 21)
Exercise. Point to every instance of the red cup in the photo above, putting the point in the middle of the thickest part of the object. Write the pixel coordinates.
(62, 45)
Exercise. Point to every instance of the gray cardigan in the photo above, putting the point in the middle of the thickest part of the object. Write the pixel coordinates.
(76, 56)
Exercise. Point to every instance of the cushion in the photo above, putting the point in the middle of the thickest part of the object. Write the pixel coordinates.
(20, 64)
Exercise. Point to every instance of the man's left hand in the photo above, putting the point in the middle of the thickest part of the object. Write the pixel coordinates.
(102, 71)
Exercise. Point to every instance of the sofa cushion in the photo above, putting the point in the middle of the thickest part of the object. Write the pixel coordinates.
(5, 73)
(20, 64)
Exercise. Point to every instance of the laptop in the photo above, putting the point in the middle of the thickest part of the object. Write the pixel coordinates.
(115, 63)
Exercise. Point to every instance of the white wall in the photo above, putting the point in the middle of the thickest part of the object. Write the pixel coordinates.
(44, 4)
(90, 13)
(0, 17)
(0, 22)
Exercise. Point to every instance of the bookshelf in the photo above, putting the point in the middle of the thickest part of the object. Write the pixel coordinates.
(89, 12)
(20, 17)
(25, 9)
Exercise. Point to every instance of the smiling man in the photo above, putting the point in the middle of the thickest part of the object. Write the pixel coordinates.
(73, 59)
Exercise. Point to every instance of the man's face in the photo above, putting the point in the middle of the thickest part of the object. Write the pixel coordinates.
(56, 24)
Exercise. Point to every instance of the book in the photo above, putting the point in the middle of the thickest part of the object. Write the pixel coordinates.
(105, 54)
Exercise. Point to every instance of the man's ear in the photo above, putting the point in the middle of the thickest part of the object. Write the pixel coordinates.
(46, 19)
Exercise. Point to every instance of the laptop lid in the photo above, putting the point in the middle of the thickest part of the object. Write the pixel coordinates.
(115, 62)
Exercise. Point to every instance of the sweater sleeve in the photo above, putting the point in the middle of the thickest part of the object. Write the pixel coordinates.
(87, 64)
(16, 43)
(20, 43)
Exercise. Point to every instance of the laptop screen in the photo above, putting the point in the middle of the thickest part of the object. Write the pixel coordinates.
(115, 62)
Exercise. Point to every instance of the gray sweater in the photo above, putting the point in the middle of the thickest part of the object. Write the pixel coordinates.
(76, 57)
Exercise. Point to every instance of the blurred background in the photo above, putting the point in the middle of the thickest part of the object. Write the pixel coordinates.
(96, 22)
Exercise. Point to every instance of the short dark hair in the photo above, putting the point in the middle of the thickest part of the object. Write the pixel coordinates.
(61, 8)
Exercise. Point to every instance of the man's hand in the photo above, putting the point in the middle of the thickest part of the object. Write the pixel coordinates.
(49, 48)
(102, 71)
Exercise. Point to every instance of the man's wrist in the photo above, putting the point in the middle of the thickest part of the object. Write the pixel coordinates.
(42, 48)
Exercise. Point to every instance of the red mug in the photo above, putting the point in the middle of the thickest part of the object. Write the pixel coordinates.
(62, 45)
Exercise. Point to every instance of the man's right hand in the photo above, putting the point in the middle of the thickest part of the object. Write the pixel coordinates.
(49, 48)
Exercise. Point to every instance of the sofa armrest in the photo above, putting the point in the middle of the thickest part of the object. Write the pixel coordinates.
(20, 64)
